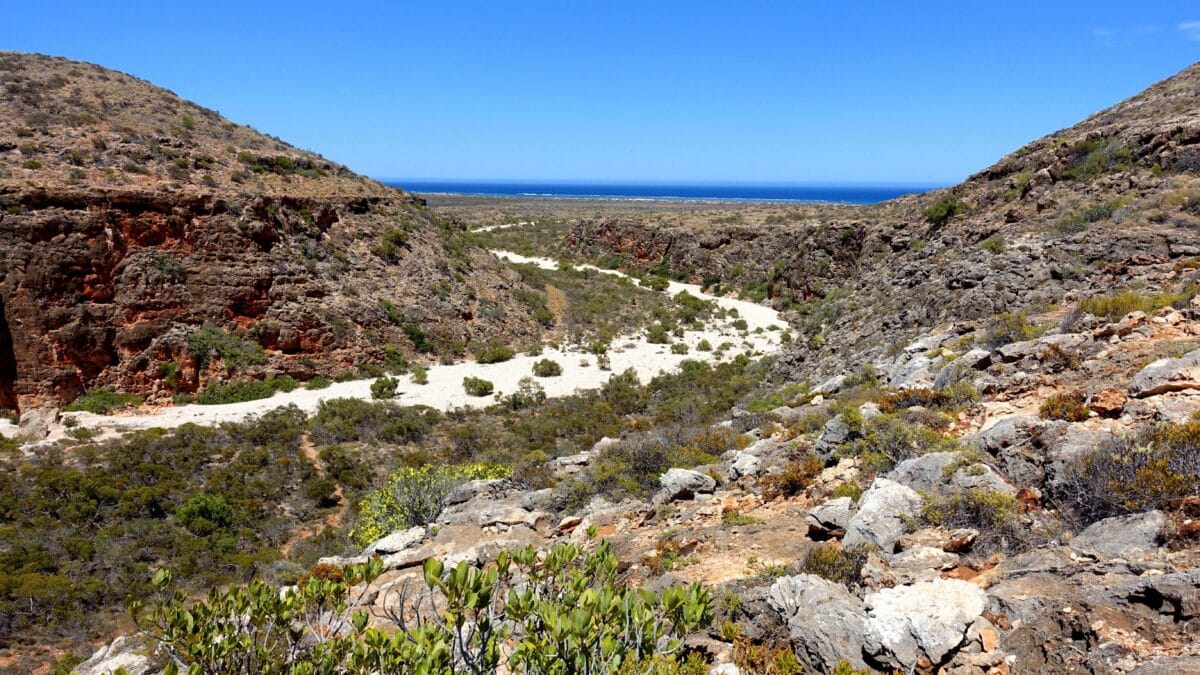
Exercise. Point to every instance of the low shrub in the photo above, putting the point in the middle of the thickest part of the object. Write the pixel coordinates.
(1078, 220)
(658, 334)
(101, 401)
(940, 212)
(244, 390)
(1131, 474)
(830, 561)
(1116, 306)
(733, 518)
(547, 368)
(883, 442)
(419, 375)
(413, 496)
(494, 354)
(995, 244)
(996, 515)
(1068, 407)
(475, 386)
(528, 394)
(342, 420)
(235, 353)
(796, 476)
(318, 382)
(954, 398)
(1008, 328)
(679, 348)
(384, 388)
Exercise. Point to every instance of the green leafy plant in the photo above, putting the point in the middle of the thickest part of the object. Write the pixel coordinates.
(413, 496)
(940, 212)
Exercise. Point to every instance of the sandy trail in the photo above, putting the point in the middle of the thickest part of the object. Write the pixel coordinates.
(445, 390)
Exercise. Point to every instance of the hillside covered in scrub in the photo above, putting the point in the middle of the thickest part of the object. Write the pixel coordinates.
(151, 246)
(975, 449)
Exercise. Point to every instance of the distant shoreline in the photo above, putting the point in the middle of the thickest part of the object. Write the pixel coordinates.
(771, 194)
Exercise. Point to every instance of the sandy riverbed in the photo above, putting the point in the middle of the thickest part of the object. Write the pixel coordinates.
(445, 391)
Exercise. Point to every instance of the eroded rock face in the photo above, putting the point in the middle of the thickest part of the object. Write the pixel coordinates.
(1134, 535)
(1166, 375)
(104, 277)
(685, 483)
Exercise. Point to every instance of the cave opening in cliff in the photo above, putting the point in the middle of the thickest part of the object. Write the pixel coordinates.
(8, 365)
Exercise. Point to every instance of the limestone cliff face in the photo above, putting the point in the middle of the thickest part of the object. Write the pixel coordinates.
(130, 220)
(1111, 203)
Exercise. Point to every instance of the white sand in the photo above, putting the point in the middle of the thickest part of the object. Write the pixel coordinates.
(445, 391)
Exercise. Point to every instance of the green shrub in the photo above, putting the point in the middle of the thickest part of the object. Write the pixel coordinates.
(204, 513)
(658, 334)
(321, 491)
(101, 400)
(246, 390)
(565, 612)
(528, 395)
(421, 343)
(996, 515)
(1090, 159)
(733, 518)
(1131, 474)
(740, 324)
(796, 476)
(679, 348)
(994, 244)
(656, 283)
(390, 243)
(940, 212)
(209, 342)
(830, 561)
(341, 420)
(547, 368)
(1008, 328)
(318, 382)
(884, 441)
(704, 346)
(849, 489)
(475, 386)
(384, 388)
(1116, 306)
(494, 354)
(420, 375)
(1078, 220)
(413, 496)
(1068, 407)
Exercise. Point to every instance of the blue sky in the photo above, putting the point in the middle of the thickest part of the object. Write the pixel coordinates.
(788, 91)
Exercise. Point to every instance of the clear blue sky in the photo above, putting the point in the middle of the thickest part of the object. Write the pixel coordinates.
(787, 91)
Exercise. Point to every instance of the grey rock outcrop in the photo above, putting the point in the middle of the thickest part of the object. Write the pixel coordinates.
(927, 619)
(124, 653)
(883, 514)
(396, 542)
(1133, 535)
(945, 472)
(825, 622)
(684, 484)
(832, 517)
(1166, 375)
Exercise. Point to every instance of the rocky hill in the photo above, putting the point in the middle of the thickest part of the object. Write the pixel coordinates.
(151, 245)
(1111, 203)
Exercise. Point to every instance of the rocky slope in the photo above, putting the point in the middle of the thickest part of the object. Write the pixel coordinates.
(1112, 202)
(132, 222)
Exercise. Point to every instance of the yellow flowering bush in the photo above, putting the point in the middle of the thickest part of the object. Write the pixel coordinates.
(413, 496)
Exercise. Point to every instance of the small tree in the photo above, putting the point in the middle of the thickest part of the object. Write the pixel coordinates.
(384, 388)
(547, 368)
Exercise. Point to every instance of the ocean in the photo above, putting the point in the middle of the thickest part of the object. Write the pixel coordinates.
(846, 194)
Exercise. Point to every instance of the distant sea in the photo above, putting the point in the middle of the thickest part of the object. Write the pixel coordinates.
(846, 194)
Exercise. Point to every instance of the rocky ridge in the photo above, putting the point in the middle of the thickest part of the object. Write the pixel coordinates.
(131, 219)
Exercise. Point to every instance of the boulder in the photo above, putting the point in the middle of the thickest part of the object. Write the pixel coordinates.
(125, 654)
(938, 537)
(920, 563)
(825, 622)
(833, 434)
(744, 464)
(928, 619)
(1123, 536)
(396, 542)
(1109, 402)
(1165, 375)
(832, 517)
(975, 359)
(884, 512)
(36, 424)
(946, 472)
(684, 484)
